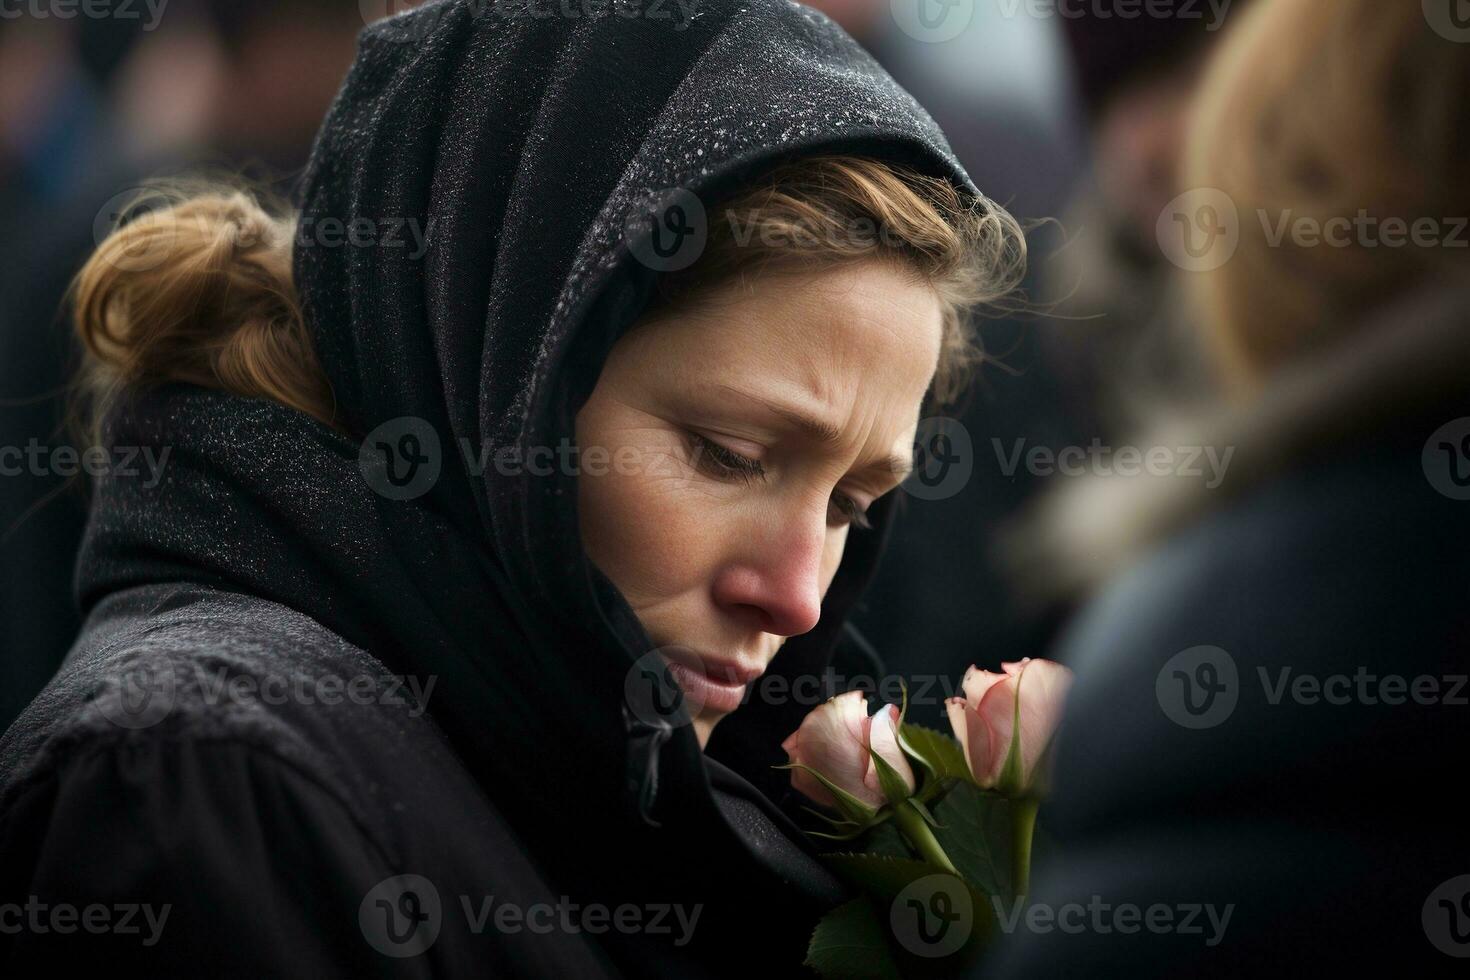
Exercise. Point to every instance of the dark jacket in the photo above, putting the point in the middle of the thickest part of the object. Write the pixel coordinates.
(292, 836)
(1271, 714)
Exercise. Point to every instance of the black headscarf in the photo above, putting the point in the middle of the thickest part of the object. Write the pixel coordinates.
(528, 147)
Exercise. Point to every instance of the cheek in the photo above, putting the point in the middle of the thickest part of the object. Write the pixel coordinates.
(640, 517)
(832, 556)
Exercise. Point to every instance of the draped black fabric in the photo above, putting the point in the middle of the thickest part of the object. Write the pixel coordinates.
(528, 149)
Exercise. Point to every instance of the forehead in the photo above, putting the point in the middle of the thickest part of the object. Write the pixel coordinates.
(867, 324)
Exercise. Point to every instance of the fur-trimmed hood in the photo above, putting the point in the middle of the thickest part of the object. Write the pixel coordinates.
(1406, 367)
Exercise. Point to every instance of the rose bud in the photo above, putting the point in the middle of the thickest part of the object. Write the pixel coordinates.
(985, 722)
(834, 740)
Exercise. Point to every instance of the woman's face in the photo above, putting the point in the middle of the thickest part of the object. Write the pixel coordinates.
(744, 437)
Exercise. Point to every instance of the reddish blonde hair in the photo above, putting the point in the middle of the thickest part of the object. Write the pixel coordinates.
(1317, 109)
(199, 287)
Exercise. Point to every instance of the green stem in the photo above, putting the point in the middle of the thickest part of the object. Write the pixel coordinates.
(1023, 827)
(921, 837)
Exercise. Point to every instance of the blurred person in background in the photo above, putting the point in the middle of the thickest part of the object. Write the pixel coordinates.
(1123, 341)
(997, 81)
(1270, 712)
(996, 78)
(90, 107)
(56, 136)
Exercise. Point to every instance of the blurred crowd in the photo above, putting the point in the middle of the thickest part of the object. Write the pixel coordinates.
(1075, 123)
(1075, 119)
(96, 99)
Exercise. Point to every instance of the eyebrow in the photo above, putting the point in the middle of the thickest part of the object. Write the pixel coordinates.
(821, 431)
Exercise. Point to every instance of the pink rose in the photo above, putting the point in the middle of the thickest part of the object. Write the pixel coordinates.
(984, 720)
(834, 740)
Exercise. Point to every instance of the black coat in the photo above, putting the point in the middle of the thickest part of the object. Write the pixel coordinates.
(528, 150)
(1314, 796)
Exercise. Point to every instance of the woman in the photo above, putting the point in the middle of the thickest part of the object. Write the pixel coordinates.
(1264, 747)
(494, 264)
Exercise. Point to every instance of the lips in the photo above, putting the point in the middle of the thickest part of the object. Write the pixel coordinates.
(708, 682)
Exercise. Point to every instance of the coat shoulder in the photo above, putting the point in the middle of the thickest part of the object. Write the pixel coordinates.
(186, 663)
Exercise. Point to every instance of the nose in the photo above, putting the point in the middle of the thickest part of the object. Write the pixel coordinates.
(773, 582)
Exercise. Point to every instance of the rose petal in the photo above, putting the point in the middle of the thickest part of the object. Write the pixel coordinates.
(831, 741)
(883, 739)
(975, 739)
(997, 712)
(1043, 691)
(977, 682)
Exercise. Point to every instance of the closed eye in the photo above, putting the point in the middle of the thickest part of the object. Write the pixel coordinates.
(724, 463)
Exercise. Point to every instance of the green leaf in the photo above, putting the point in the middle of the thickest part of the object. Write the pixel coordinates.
(886, 883)
(844, 838)
(851, 943)
(936, 751)
(974, 828)
(852, 808)
(894, 787)
(887, 839)
(924, 812)
(879, 875)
